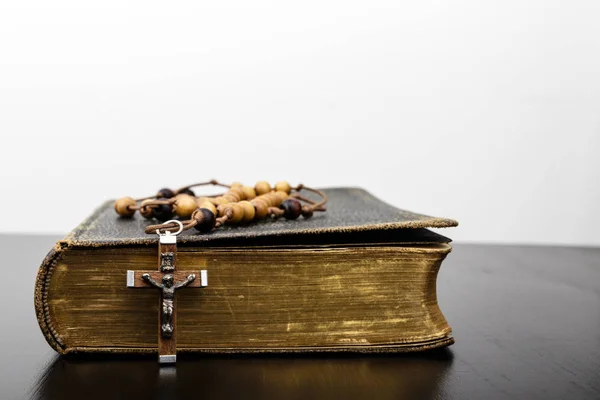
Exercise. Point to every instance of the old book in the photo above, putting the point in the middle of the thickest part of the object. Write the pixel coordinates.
(360, 277)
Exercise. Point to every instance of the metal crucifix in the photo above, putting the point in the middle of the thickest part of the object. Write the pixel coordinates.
(167, 280)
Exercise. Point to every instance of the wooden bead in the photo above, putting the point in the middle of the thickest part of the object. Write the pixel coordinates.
(185, 205)
(213, 200)
(281, 196)
(162, 212)
(222, 209)
(208, 220)
(249, 192)
(238, 192)
(262, 187)
(238, 214)
(209, 206)
(291, 208)
(165, 193)
(236, 184)
(283, 186)
(273, 199)
(145, 210)
(201, 200)
(249, 211)
(261, 199)
(307, 212)
(266, 198)
(261, 208)
(231, 197)
(220, 200)
(122, 206)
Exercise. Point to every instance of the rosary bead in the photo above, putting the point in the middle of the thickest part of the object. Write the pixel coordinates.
(187, 191)
(262, 187)
(220, 200)
(275, 202)
(165, 193)
(162, 212)
(208, 205)
(238, 192)
(261, 208)
(185, 205)
(292, 208)
(238, 214)
(122, 206)
(231, 197)
(208, 220)
(259, 199)
(307, 212)
(249, 192)
(222, 209)
(273, 199)
(145, 210)
(200, 200)
(265, 198)
(281, 196)
(283, 186)
(249, 210)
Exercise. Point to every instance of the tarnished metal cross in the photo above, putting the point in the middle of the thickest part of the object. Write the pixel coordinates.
(167, 280)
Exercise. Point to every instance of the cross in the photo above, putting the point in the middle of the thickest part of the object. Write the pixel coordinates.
(167, 280)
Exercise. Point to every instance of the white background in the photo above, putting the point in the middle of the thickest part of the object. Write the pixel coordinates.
(483, 111)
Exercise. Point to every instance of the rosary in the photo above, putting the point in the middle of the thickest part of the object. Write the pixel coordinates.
(239, 205)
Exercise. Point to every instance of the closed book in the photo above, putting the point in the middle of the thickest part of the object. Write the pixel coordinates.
(360, 277)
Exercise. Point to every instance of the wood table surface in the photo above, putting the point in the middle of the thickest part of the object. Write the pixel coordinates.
(526, 320)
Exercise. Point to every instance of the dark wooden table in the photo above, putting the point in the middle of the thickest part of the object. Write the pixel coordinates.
(526, 322)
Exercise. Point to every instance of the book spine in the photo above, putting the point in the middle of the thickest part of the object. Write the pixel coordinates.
(41, 301)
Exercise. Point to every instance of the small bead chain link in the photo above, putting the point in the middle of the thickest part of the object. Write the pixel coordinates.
(239, 205)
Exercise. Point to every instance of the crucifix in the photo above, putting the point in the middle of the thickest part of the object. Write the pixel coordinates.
(167, 280)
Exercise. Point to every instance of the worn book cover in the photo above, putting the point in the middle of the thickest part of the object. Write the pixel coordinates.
(360, 277)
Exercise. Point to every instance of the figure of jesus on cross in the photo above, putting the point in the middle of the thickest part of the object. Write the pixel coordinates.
(168, 296)
(168, 280)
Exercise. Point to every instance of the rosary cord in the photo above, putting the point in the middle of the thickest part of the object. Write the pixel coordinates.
(162, 228)
(211, 182)
(151, 201)
(315, 206)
